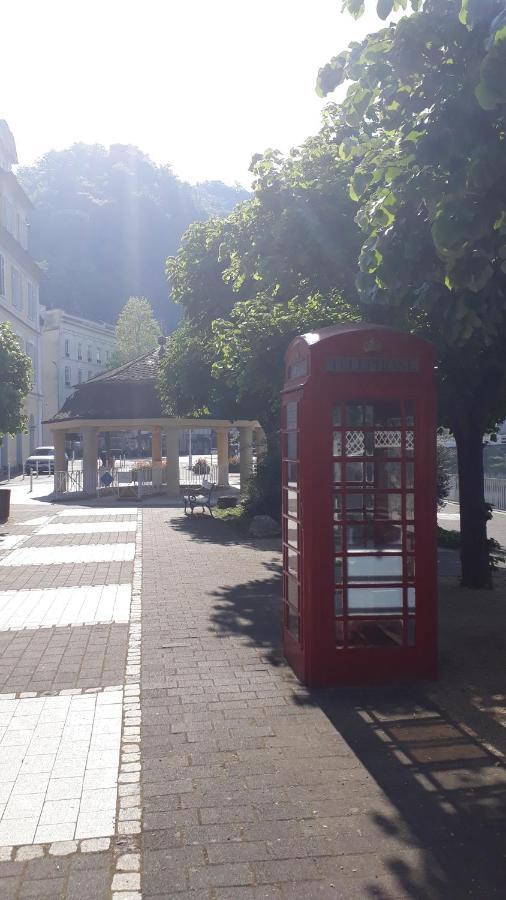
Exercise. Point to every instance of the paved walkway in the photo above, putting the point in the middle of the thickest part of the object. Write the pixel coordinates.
(255, 788)
(239, 784)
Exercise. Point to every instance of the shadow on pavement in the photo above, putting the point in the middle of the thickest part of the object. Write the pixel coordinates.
(202, 527)
(446, 791)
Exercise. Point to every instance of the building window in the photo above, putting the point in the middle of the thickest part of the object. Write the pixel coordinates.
(17, 299)
(2, 276)
(79, 351)
(67, 376)
(99, 355)
(90, 357)
(67, 347)
(31, 301)
(79, 376)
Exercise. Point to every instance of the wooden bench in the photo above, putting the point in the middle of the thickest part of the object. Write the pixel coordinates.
(200, 495)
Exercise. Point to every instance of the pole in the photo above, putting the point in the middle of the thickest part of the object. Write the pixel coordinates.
(31, 480)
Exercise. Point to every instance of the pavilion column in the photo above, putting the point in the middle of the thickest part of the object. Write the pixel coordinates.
(246, 454)
(222, 441)
(60, 460)
(156, 445)
(90, 456)
(172, 445)
(156, 456)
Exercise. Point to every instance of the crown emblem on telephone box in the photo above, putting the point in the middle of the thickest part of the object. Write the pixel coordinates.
(372, 346)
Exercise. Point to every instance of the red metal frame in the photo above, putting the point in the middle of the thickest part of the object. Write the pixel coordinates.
(348, 368)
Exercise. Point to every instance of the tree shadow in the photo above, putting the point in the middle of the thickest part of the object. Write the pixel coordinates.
(446, 792)
(443, 809)
(206, 529)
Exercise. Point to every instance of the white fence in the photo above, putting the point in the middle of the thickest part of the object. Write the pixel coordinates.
(495, 491)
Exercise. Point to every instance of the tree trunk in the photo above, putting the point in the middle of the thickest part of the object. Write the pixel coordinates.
(474, 557)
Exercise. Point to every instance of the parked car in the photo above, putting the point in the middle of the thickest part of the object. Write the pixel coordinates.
(41, 460)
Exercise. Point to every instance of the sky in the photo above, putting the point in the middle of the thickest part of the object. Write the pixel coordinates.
(201, 85)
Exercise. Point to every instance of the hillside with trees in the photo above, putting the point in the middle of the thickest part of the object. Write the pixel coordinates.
(105, 221)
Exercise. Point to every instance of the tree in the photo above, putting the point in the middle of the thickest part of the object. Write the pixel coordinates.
(279, 263)
(15, 379)
(137, 330)
(104, 222)
(425, 115)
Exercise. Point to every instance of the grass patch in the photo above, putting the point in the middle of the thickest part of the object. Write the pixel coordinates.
(233, 514)
(448, 539)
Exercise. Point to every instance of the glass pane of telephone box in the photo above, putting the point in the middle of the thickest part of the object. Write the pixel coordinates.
(360, 473)
(388, 506)
(359, 506)
(387, 444)
(336, 414)
(373, 536)
(291, 416)
(292, 622)
(374, 568)
(292, 503)
(387, 413)
(338, 570)
(338, 507)
(291, 532)
(336, 443)
(388, 475)
(291, 474)
(293, 592)
(291, 445)
(374, 633)
(292, 561)
(379, 601)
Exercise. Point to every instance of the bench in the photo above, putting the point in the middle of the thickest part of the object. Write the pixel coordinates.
(200, 495)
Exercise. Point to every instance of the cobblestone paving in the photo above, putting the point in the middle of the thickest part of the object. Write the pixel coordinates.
(250, 786)
(68, 707)
(255, 788)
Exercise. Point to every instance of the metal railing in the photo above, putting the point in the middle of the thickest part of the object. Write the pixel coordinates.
(188, 476)
(495, 491)
(68, 482)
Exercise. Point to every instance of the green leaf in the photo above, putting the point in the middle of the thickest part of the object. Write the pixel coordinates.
(358, 185)
(384, 8)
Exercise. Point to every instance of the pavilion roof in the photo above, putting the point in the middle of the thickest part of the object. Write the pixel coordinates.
(126, 392)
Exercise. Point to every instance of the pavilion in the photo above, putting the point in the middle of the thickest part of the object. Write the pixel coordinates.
(126, 399)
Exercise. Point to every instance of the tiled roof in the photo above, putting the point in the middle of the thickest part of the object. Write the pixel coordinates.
(144, 368)
(127, 392)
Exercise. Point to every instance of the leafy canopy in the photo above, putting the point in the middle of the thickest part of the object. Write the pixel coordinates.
(279, 264)
(15, 381)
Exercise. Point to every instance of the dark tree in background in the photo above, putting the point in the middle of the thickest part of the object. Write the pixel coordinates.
(104, 223)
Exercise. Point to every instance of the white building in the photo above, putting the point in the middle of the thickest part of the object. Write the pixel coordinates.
(19, 295)
(74, 350)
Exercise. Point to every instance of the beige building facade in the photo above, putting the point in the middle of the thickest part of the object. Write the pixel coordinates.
(73, 351)
(19, 297)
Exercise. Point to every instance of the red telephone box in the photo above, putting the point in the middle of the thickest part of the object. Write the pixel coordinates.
(359, 506)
